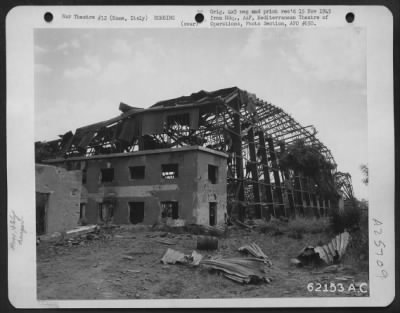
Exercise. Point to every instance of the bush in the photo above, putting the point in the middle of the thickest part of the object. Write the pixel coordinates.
(296, 227)
(349, 219)
(308, 225)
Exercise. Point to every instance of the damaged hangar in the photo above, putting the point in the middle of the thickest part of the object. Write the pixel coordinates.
(198, 159)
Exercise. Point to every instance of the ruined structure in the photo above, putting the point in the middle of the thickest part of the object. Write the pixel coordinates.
(252, 142)
(173, 186)
(58, 194)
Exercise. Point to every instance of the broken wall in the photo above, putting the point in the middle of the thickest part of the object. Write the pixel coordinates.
(190, 189)
(64, 192)
(210, 193)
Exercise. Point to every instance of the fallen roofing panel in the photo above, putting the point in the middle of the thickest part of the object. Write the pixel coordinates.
(242, 270)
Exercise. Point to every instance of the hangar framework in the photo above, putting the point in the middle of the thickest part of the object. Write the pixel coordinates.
(254, 133)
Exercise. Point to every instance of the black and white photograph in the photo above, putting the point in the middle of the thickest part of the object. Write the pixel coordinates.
(201, 163)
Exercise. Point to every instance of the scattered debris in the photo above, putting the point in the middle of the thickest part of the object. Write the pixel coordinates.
(308, 256)
(255, 251)
(165, 241)
(344, 278)
(196, 258)
(241, 270)
(237, 222)
(330, 253)
(78, 231)
(295, 262)
(172, 257)
(334, 251)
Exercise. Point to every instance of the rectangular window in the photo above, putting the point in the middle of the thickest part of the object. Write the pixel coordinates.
(169, 209)
(107, 175)
(169, 171)
(213, 174)
(136, 212)
(136, 172)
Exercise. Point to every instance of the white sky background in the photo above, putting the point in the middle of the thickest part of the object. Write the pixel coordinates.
(318, 76)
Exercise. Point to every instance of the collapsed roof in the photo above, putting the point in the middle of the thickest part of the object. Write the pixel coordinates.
(203, 118)
(253, 132)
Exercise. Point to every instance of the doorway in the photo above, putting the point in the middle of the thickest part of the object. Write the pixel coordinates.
(213, 213)
(136, 212)
(42, 203)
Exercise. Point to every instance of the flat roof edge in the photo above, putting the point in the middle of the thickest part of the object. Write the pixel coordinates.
(138, 153)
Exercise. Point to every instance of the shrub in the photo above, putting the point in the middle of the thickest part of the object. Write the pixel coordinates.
(308, 225)
(347, 219)
(296, 227)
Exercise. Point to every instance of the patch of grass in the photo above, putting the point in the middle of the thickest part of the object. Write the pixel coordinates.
(296, 228)
(273, 227)
(357, 253)
(192, 229)
(309, 225)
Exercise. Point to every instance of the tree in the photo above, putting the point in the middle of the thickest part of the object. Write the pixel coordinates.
(364, 170)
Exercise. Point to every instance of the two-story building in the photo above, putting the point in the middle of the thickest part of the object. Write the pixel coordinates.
(174, 186)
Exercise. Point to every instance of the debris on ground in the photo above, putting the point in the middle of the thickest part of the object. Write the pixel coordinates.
(330, 253)
(335, 268)
(295, 262)
(172, 257)
(241, 270)
(255, 251)
(237, 222)
(334, 251)
(165, 241)
(81, 230)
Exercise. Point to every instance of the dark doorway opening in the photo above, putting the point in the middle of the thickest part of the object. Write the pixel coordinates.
(213, 213)
(42, 202)
(136, 212)
(106, 211)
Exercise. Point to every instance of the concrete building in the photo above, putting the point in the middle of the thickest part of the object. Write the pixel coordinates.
(175, 186)
(58, 194)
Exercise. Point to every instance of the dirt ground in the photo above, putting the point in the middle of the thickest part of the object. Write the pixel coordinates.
(100, 269)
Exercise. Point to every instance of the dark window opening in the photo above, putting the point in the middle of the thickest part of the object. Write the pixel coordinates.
(169, 171)
(136, 172)
(213, 174)
(179, 119)
(136, 212)
(213, 213)
(107, 175)
(169, 209)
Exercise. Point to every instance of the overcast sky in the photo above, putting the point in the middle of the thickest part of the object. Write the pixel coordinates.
(316, 75)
